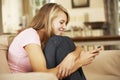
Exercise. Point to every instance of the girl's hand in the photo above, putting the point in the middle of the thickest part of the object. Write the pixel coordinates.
(65, 66)
(86, 57)
(96, 51)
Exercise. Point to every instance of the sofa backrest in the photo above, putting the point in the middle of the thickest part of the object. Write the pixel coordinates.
(106, 66)
(4, 68)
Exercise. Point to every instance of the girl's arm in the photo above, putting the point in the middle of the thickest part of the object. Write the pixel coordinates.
(66, 66)
(84, 57)
(75, 60)
(37, 59)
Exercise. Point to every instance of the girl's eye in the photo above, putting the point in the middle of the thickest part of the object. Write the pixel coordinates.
(61, 22)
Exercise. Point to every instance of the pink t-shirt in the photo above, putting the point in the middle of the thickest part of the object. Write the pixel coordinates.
(18, 60)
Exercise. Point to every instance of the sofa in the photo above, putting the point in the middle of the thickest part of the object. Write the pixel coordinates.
(6, 75)
(106, 66)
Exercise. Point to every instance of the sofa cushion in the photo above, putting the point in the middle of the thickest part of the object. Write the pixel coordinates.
(3, 47)
(106, 66)
(3, 59)
(28, 76)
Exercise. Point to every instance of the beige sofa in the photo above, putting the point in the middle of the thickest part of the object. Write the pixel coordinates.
(106, 66)
(6, 75)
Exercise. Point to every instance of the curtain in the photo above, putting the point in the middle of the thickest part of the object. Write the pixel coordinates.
(27, 10)
(111, 13)
(1, 29)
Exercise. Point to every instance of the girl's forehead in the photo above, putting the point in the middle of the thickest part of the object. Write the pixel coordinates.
(61, 15)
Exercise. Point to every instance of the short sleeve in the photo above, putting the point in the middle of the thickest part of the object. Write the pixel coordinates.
(28, 36)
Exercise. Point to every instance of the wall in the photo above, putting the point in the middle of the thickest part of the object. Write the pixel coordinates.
(95, 12)
(11, 13)
(1, 30)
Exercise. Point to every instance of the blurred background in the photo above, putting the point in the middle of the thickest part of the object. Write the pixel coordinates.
(92, 22)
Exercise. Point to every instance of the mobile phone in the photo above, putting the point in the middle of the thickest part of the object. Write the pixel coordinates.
(99, 47)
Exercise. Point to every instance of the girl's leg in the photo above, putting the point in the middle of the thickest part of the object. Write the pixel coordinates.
(55, 51)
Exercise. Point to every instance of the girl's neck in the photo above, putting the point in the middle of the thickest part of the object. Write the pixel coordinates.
(41, 34)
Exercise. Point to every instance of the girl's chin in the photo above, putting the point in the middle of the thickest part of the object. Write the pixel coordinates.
(59, 34)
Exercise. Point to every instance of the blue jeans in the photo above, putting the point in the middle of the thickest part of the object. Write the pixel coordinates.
(56, 49)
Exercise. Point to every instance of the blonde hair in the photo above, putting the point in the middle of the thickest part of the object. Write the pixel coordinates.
(45, 16)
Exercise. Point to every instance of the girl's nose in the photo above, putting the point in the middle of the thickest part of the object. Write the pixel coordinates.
(64, 26)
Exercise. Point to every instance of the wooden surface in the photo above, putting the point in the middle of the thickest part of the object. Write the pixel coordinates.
(104, 40)
(98, 38)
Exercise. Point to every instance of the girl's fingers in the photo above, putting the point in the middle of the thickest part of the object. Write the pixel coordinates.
(92, 58)
(92, 55)
(59, 72)
(67, 73)
(63, 73)
(96, 50)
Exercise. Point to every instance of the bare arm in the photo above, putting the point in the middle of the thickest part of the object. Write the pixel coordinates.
(75, 60)
(37, 59)
(70, 63)
(84, 57)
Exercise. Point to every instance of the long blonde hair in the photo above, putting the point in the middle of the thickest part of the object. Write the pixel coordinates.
(43, 19)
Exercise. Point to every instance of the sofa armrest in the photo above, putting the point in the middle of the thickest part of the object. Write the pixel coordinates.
(28, 76)
(106, 66)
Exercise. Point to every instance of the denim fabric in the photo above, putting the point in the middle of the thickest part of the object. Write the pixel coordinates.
(55, 51)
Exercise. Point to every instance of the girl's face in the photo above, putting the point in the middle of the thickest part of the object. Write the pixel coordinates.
(59, 23)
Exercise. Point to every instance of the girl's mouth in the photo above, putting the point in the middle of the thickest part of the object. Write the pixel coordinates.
(61, 29)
